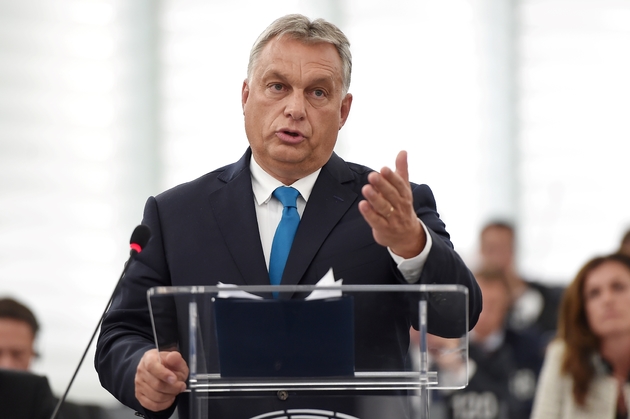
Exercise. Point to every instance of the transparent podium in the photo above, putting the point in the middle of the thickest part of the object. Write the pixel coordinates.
(314, 352)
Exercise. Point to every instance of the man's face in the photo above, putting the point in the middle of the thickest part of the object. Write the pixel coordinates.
(294, 107)
(497, 250)
(496, 303)
(16, 344)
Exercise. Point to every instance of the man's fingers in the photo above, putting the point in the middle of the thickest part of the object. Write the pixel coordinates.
(154, 400)
(154, 394)
(402, 166)
(378, 204)
(387, 193)
(388, 209)
(392, 186)
(158, 382)
(374, 218)
(154, 368)
(396, 184)
(176, 363)
(161, 381)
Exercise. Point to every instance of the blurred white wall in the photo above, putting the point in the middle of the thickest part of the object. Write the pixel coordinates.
(512, 109)
(75, 147)
(574, 135)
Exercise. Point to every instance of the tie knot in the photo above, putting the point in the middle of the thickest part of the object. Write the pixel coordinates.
(287, 195)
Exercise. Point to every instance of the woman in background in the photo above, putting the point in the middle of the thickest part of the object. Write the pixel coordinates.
(586, 369)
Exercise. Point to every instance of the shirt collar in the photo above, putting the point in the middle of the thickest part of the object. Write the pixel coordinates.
(263, 184)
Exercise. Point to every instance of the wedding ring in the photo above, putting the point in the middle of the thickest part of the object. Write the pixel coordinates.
(391, 210)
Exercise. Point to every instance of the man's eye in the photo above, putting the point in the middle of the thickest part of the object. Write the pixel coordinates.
(319, 93)
(277, 87)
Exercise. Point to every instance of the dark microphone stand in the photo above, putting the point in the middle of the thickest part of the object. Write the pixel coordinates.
(139, 238)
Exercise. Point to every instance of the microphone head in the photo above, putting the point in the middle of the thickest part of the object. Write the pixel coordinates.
(139, 238)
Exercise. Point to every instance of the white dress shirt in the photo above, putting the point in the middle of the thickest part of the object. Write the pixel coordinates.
(269, 213)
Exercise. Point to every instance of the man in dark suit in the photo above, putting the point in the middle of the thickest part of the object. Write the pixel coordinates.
(370, 227)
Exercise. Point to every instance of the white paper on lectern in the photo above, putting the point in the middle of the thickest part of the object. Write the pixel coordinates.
(232, 293)
(328, 280)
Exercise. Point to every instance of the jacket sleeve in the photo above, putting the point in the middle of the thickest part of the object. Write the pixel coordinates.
(126, 333)
(445, 266)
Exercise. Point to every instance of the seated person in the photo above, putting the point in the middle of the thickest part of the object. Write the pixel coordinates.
(535, 305)
(503, 364)
(586, 369)
(18, 335)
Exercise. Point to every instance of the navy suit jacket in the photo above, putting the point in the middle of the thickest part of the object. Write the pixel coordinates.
(206, 231)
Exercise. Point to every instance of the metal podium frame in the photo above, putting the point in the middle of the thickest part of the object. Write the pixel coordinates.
(192, 305)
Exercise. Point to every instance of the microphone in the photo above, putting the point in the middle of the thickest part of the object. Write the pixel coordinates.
(139, 239)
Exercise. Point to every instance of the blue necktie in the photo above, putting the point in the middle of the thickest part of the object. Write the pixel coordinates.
(285, 233)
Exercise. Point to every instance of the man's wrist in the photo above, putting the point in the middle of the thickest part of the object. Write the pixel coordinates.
(411, 268)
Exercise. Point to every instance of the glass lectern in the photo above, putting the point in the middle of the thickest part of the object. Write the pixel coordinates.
(314, 352)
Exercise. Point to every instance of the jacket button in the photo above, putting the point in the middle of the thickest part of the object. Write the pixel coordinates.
(283, 395)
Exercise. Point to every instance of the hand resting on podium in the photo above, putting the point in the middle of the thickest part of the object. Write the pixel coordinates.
(160, 377)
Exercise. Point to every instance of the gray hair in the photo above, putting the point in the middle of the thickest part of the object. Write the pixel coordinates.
(300, 28)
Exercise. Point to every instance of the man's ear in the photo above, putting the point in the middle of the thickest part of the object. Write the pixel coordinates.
(346, 103)
(244, 93)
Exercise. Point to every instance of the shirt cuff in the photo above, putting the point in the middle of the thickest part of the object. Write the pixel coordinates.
(412, 268)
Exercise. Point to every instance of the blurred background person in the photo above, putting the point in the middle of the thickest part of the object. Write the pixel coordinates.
(503, 363)
(535, 304)
(444, 356)
(586, 369)
(18, 329)
(22, 395)
(18, 336)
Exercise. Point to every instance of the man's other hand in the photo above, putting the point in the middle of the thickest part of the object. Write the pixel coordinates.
(388, 209)
(159, 382)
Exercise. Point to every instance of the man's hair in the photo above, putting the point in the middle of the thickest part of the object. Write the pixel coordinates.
(500, 224)
(300, 28)
(12, 309)
(494, 276)
(575, 331)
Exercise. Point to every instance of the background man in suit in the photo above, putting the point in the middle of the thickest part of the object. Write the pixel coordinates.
(535, 305)
(503, 364)
(22, 394)
(220, 227)
(18, 329)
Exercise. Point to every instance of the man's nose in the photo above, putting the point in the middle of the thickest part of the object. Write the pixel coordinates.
(7, 361)
(295, 107)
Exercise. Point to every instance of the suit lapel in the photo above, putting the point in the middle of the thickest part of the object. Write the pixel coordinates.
(328, 202)
(238, 223)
